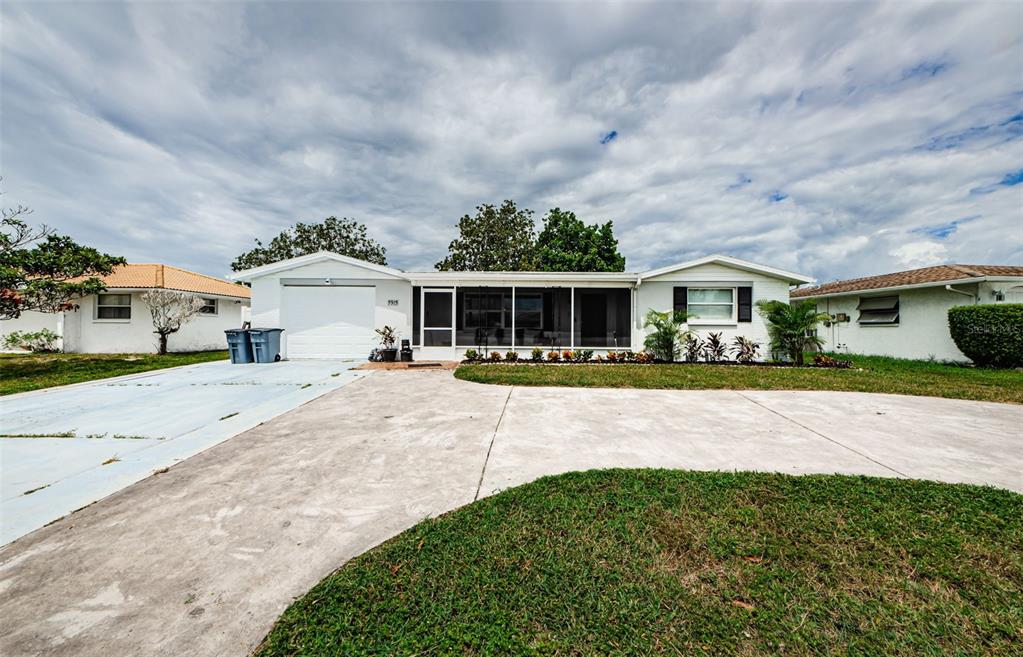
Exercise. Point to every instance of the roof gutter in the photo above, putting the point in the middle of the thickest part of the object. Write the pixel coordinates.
(914, 286)
(965, 294)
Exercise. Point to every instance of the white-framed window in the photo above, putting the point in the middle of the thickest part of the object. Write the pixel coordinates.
(711, 305)
(113, 306)
(209, 307)
(879, 311)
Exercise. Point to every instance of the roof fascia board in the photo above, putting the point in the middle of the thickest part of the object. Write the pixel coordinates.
(896, 288)
(736, 263)
(312, 258)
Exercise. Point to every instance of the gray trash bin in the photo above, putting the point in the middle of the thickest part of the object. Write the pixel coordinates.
(239, 346)
(266, 344)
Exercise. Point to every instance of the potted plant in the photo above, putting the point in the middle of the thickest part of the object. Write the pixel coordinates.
(388, 340)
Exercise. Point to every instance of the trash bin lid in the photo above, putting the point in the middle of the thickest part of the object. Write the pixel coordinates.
(264, 330)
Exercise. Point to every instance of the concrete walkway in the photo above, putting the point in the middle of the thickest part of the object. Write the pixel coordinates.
(202, 559)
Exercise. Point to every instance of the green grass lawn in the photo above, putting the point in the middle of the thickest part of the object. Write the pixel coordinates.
(23, 372)
(870, 374)
(652, 562)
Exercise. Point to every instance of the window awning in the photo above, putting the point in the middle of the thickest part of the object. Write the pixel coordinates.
(878, 303)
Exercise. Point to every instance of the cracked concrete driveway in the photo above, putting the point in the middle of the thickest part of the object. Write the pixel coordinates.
(202, 559)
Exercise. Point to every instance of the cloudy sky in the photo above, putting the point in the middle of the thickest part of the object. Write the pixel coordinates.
(832, 139)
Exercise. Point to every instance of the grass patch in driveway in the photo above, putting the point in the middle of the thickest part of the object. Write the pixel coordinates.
(869, 374)
(24, 372)
(640, 562)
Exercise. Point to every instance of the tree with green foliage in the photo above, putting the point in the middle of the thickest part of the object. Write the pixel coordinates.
(792, 327)
(567, 244)
(496, 239)
(668, 335)
(342, 236)
(43, 271)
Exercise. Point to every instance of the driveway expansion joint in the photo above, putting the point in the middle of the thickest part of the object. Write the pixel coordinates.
(486, 460)
(825, 437)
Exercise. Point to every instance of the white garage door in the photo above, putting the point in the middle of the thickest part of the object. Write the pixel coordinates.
(329, 322)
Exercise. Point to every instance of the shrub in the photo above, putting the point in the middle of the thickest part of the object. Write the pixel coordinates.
(714, 348)
(598, 359)
(626, 356)
(612, 357)
(665, 341)
(693, 348)
(536, 355)
(511, 356)
(745, 350)
(583, 355)
(42, 340)
(472, 355)
(990, 335)
(553, 356)
(495, 356)
(567, 355)
(792, 327)
(644, 357)
(823, 360)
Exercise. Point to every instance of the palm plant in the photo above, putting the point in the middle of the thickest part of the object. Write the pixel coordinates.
(792, 327)
(665, 342)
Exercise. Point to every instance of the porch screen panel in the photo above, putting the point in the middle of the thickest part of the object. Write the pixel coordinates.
(602, 318)
(483, 317)
(436, 319)
(416, 313)
(542, 317)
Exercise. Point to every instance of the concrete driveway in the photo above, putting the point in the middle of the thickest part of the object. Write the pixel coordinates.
(202, 559)
(63, 448)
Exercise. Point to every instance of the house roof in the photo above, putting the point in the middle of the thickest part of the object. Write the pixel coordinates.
(924, 277)
(631, 277)
(143, 276)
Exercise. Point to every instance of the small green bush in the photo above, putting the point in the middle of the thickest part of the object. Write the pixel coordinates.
(990, 335)
(43, 340)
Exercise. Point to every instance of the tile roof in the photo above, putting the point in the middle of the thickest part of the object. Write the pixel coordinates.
(173, 278)
(922, 276)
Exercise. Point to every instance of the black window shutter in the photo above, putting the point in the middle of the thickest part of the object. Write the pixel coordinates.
(681, 299)
(745, 304)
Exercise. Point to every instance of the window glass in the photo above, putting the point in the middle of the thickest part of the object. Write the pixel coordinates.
(879, 310)
(710, 295)
(706, 304)
(113, 306)
(209, 307)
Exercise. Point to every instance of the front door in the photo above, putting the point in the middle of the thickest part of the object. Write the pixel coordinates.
(438, 324)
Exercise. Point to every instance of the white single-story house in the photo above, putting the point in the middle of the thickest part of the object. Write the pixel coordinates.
(905, 314)
(329, 305)
(116, 321)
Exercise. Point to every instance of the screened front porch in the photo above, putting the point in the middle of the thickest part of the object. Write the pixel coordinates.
(522, 317)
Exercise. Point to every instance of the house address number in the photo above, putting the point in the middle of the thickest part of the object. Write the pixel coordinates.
(392, 302)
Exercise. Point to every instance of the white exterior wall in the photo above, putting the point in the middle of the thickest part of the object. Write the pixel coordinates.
(30, 321)
(267, 294)
(658, 294)
(83, 333)
(922, 332)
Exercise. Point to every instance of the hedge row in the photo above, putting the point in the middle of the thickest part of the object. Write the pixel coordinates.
(989, 335)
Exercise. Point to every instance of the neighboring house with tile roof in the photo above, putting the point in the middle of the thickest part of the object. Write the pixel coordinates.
(117, 321)
(905, 314)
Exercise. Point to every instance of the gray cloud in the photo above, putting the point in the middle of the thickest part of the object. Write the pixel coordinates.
(177, 133)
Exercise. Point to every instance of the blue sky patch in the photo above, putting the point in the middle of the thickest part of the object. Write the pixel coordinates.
(741, 182)
(924, 70)
(609, 137)
(943, 231)
(777, 197)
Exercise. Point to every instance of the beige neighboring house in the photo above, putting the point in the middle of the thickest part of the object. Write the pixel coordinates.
(905, 314)
(116, 321)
